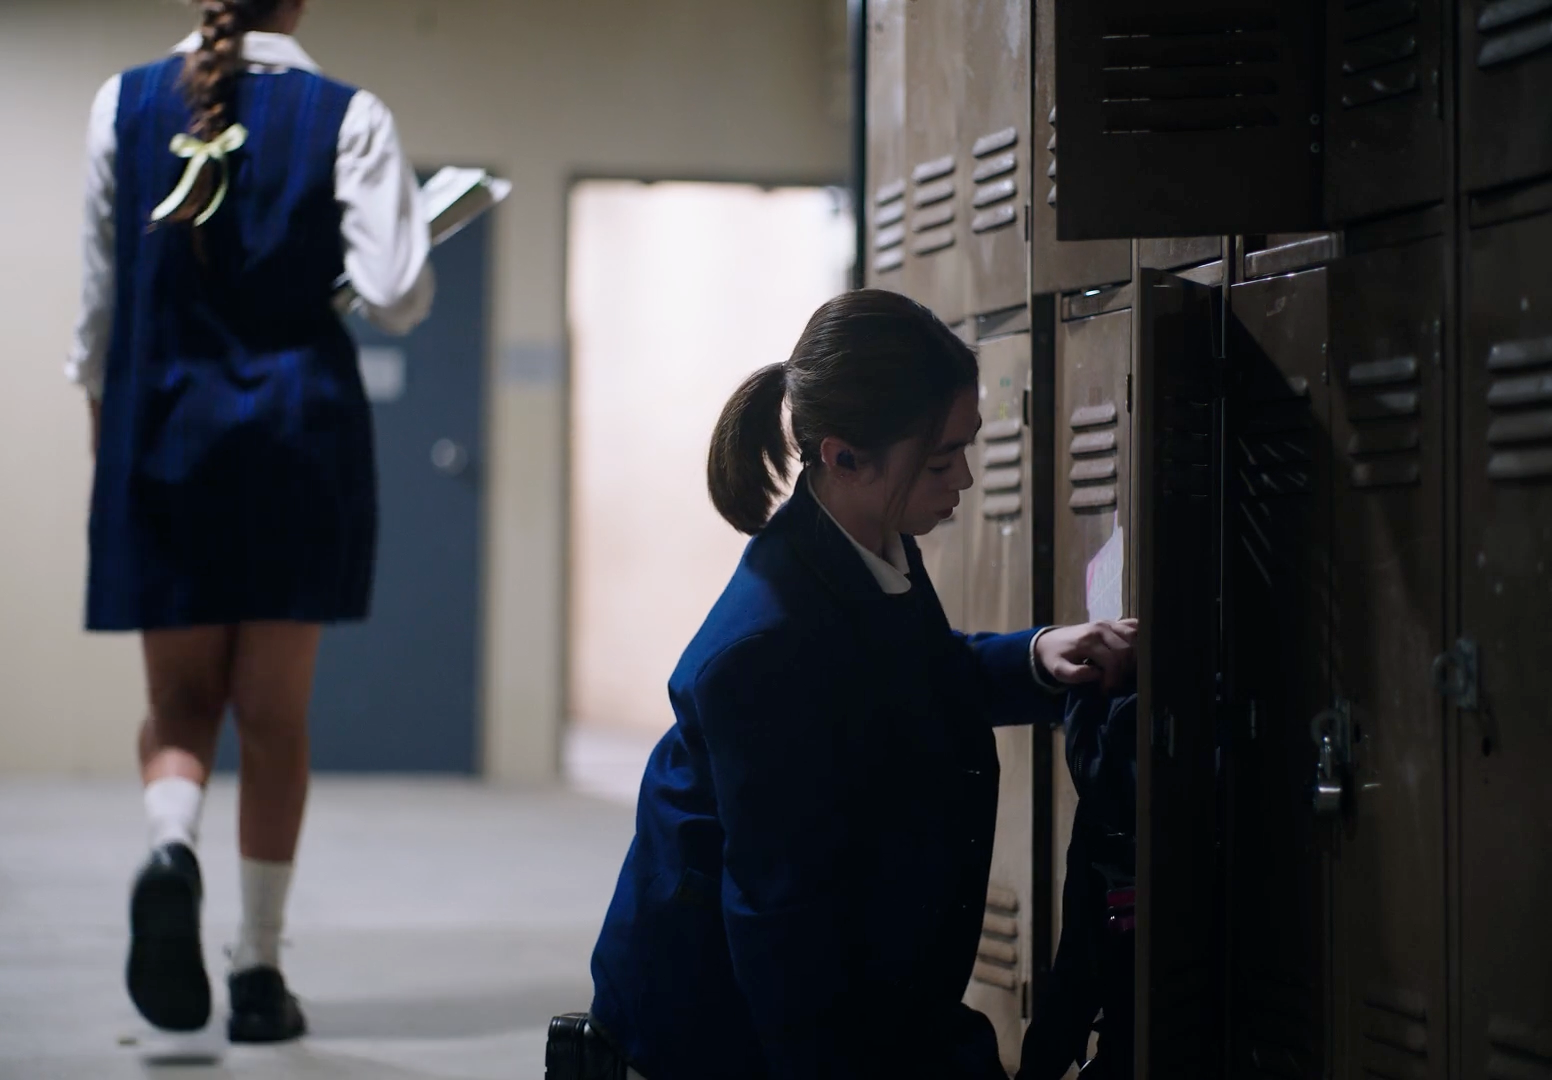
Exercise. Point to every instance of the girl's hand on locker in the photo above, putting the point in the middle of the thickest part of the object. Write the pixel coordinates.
(1090, 652)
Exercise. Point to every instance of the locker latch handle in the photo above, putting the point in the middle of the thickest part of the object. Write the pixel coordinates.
(1332, 731)
(1455, 673)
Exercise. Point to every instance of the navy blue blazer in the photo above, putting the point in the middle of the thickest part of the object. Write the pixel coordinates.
(804, 894)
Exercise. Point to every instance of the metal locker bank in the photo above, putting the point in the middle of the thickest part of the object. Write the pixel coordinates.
(1262, 294)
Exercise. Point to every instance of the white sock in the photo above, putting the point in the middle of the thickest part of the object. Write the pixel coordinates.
(264, 889)
(172, 810)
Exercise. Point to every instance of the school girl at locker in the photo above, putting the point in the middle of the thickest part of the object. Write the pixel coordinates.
(230, 185)
(804, 894)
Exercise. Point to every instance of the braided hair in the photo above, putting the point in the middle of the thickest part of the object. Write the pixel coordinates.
(210, 79)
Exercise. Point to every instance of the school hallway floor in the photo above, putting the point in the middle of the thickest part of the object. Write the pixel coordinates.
(435, 926)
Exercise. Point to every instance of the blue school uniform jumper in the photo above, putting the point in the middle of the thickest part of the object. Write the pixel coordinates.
(235, 479)
(804, 895)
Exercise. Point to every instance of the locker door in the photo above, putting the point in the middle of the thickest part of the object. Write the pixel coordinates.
(994, 141)
(1188, 118)
(1384, 108)
(1505, 84)
(886, 143)
(999, 560)
(1176, 584)
(1505, 743)
(943, 549)
(1092, 436)
(1388, 889)
(935, 230)
(1278, 532)
(1059, 266)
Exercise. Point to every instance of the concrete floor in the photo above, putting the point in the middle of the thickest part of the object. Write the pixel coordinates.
(434, 927)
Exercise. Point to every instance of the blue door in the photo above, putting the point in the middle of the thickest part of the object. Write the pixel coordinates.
(398, 693)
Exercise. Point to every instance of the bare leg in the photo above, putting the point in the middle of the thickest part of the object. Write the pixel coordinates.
(188, 683)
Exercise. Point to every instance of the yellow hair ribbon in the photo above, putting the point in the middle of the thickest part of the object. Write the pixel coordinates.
(199, 153)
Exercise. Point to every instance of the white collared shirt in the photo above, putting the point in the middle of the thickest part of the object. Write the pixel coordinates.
(387, 238)
(891, 572)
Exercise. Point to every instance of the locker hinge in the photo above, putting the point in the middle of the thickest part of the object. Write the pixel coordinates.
(1455, 673)
(1024, 1001)
(1024, 407)
(1026, 223)
(1128, 391)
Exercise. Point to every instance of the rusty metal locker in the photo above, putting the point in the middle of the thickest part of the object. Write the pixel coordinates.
(935, 229)
(1188, 118)
(1384, 122)
(1174, 429)
(1499, 677)
(1278, 606)
(1092, 505)
(1387, 624)
(999, 565)
(1057, 266)
(994, 153)
(1285, 253)
(886, 186)
(1505, 83)
(1174, 253)
(943, 549)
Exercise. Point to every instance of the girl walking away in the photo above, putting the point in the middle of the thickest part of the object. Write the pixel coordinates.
(803, 897)
(230, 186)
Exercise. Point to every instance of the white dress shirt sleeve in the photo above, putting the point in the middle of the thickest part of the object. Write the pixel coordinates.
(94, 324)
(387, 237)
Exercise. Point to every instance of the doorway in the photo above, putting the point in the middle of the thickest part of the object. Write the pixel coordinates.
(676, 291)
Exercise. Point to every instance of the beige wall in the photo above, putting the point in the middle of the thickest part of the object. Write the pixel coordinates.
(541, 91)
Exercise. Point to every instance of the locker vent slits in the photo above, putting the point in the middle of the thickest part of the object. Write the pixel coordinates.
(1379, 52)
(1210, 71)
(889, 226)
(1273, 463)
(1092, 457)
(1002, 458)
(1519, 399)
(996, 180)
(1510, 30)
(1517, 1051)
(1384, 406)
(1393, 1027)
(933, 205)
(996, 957)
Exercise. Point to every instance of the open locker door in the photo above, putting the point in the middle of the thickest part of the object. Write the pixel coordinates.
(886, 194)
(1174, 548)
(999, 558)
(1388, 886)
(1188, 118)
(1499, 676)
(1277, 535)
(1057, 266)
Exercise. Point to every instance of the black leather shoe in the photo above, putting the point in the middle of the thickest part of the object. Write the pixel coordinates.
(263, 1010)
(166, 969)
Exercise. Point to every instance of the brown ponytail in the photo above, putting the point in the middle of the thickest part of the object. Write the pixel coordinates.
(872, 368)
(210, 81)
(747, 448)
